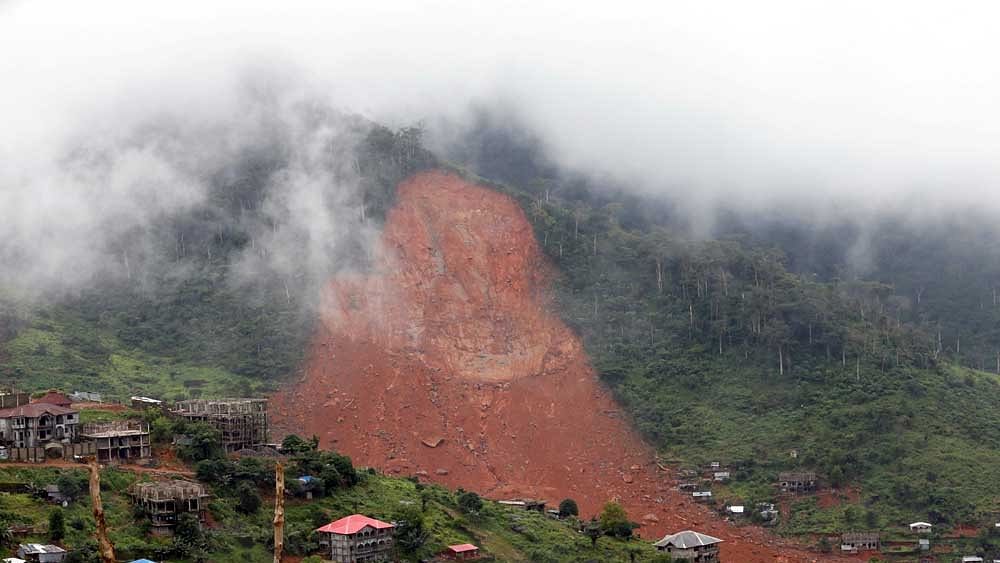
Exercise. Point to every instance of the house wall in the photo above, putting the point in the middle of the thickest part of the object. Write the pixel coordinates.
(367, 546)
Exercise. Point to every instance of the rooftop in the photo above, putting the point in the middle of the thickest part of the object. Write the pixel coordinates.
(34, 548)
(35, 410)
(353, 524)
(54, 398)
(114, 428)
(462, 548)
(687, 540)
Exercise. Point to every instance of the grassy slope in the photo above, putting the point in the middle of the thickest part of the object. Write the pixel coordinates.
(244, 539)
(61, 350)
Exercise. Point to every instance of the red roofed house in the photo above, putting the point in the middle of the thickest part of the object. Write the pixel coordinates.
(54, 398)
(462, 552)
(358, 539)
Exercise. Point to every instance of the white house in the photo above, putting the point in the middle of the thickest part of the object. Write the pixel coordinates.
(920, 527)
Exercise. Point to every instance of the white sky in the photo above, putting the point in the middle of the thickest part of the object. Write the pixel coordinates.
(752, 102)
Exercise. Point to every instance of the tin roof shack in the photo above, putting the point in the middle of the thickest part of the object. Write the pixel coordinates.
(165, 501)
(357, 538)
(525, 503)
(119, 440)
(461, 552)
(690, 546)
(35, 424)
(41, 553)
(859, 541)
(921, 527)
(242, 422)
(794, 482)
(143, 403)
(86, 397)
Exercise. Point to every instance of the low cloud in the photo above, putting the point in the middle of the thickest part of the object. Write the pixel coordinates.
(116, 115)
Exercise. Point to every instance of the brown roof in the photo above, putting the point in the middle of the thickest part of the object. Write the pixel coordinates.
(54, 398)
(35, 410)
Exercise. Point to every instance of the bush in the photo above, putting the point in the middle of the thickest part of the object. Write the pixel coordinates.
(57, 525)
(615, 522)
(469, 502)
(568, 508)
(247, 498)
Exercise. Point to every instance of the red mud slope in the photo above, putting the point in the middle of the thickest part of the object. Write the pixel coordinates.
(446, 362)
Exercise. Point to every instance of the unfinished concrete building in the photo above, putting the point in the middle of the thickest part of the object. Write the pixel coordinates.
(119, 440)
(165, 501)
(242, 422)
(797, 482)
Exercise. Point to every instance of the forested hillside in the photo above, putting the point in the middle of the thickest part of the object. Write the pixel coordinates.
(215, 298)
(740, 348)
(735, 349)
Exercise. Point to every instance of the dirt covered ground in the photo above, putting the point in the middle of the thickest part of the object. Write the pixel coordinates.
(446, 362)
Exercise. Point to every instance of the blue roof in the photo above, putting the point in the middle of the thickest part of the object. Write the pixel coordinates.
(306, 478)
(143, 561)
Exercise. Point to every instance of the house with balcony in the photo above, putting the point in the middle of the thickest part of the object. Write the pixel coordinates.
(37, 424)
(357, 539)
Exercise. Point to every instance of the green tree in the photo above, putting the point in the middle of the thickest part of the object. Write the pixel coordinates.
(615, 522)
(469, 502)
(568, 508)
(871, 519)
(57, 525)
(71, 483)
(188, 528)
(248, 500)
(410, 532)
(206, 442)
(292, 444)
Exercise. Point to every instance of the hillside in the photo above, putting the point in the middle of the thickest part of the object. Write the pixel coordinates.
(713, 349)
(233, 537)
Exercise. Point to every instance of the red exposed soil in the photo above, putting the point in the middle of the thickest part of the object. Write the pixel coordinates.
(446, 362)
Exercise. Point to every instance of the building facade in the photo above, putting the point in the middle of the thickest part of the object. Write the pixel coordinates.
(242, 422)
(37, 424)
(690, 546)
(357, 539)
(119, 440)
(165, 501)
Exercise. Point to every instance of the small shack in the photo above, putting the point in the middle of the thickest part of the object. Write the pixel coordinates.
(41, 553)
(461, 552)
(920, 527)
(525, 504)
(702, 496)
(165, 501)
(143, 403)
(854, 542)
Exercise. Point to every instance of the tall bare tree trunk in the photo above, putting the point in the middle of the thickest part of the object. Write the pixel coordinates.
(104, 548)
(279, 511)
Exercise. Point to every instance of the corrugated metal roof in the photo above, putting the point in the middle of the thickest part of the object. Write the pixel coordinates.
(462, 547)
(686, 540)
(353, 524)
